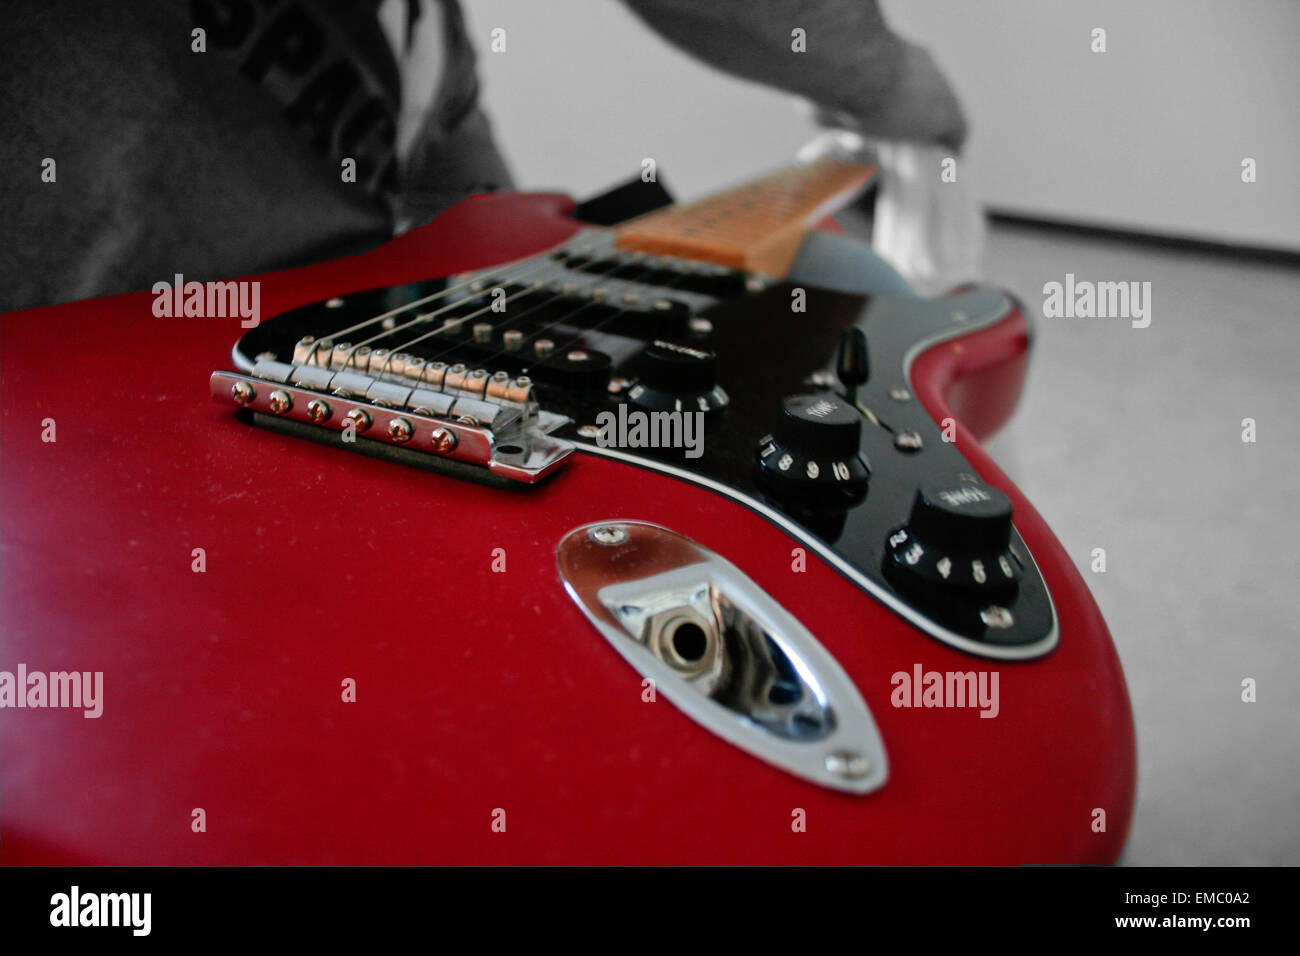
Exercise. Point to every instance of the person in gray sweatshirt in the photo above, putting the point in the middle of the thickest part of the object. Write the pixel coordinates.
(126, 155)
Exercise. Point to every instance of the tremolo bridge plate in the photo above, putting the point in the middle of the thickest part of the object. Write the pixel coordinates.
(511, 443)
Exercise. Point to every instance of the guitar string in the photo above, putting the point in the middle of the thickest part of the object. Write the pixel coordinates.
(588, 305)
(622, 311)
(512, 320)
(535, 267)
(449, 323)
(598, 237)
(460, 321)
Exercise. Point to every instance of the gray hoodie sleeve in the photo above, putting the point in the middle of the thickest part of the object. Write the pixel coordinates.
(853, 64)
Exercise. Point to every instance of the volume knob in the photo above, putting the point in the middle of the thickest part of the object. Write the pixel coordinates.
(677, 378)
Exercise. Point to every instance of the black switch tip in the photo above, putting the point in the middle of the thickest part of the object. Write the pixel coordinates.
(854, 366)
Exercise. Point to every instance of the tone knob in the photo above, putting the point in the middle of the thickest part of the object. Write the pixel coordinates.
(677, 377)
(821, 425)
(957, 538)
(812, 455)
(961, 515)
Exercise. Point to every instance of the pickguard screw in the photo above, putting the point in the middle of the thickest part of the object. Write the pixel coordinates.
(997, 617)
(908, 441)
(334, 304)
(318, 411)
(900, 394)
(700, 325)
(848, 764)
(588, 431)
(609, 534)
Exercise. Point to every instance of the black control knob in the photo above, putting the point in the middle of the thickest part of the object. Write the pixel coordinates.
(821, 425)
(957, 538)
(813, 455)
(677, 377)
(962, 516)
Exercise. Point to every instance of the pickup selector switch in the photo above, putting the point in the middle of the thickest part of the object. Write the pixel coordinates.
(957, 540)
(813, 457)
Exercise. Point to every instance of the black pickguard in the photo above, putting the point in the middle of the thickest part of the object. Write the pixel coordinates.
(765, 351)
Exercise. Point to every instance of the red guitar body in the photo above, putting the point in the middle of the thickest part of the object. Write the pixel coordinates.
(476, 691)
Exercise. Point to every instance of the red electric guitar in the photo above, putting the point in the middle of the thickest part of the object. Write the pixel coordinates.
(670, 542)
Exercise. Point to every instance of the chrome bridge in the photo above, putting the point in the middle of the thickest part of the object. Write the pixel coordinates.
(449, 413)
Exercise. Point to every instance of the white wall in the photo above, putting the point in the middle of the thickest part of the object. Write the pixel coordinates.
(1149, 135)
(584, 92)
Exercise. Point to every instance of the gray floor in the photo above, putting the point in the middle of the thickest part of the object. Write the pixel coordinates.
(1130, 440)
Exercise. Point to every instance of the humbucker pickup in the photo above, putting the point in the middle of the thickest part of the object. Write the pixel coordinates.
(469, 416)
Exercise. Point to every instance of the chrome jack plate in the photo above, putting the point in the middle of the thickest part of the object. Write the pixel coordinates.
(723, 651)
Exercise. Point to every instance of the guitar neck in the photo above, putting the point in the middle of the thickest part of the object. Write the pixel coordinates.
(757, 227)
